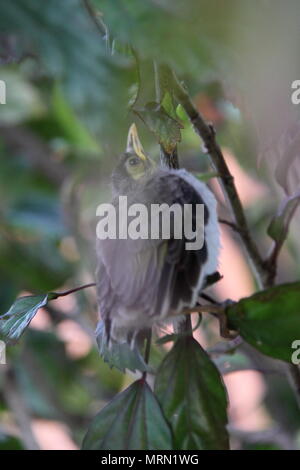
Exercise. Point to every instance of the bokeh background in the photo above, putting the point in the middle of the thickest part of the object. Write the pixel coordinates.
(74, 72)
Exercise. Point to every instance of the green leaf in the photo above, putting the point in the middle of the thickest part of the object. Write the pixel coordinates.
(279, 225)
(164, 127)
(121, 356)
(181, 113)
(168, 105)
(191, 392)
(133, 420)
(269, 320)
(20, 314)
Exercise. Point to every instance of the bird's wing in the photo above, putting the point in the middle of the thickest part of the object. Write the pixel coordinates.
(154, 276)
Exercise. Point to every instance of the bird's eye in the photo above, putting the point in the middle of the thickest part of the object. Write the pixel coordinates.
(133, 161)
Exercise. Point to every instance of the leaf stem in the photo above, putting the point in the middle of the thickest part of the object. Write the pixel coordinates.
(55, 295)
(147, 351)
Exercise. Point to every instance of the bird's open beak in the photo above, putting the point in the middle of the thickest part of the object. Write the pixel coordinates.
(134, 144)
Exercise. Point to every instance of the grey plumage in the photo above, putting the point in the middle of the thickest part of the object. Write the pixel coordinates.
(142, 282)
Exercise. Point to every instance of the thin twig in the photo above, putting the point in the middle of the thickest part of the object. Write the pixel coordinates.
(231, 225)
(207, 134)
(71, 291)
(208, 298)
(217, 309)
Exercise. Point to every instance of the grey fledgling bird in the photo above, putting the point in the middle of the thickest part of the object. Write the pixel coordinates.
(144, 282)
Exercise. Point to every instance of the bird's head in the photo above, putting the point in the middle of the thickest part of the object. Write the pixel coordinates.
(134, 165)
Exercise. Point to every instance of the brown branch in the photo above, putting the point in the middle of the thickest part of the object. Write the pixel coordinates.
(231, 225)
(71, 291)
(217, 309)
(207, 134)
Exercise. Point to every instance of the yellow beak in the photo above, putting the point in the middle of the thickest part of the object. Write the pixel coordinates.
(134, 144)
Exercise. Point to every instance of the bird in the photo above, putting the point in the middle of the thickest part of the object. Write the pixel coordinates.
(143, 283)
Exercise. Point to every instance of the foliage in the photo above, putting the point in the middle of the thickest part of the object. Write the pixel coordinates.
(193, 398)
(260, 317)
(131, 421)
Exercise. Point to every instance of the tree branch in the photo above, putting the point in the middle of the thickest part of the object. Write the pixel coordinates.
(207, 134)
(71, 291)
(262, 269)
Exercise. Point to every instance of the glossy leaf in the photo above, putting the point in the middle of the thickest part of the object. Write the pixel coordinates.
(190, 390)
(164, 127)
(269, 320)
(121, 356)
(20, 314)
(133, 420)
